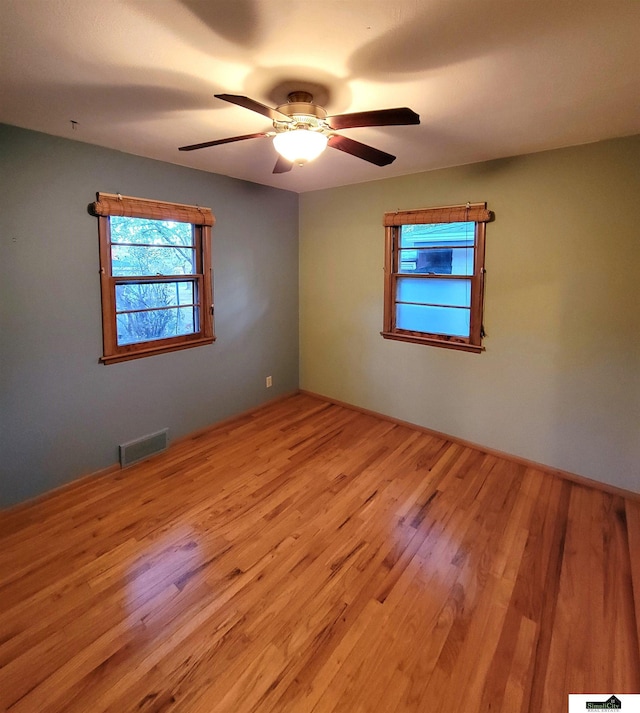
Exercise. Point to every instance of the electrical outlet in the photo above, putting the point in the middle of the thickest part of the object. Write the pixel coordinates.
(269, 382)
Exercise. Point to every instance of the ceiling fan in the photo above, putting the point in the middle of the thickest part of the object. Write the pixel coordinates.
(302, 129)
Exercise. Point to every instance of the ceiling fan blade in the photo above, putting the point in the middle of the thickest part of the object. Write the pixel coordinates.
(253, 105)
(363, 151)
(217, 142)
(379, 117)
(282, 165)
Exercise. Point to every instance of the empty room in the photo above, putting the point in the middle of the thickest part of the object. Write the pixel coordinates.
(319, 356)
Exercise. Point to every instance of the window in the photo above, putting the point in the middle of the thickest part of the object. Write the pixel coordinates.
(434, 276)
(156, 284)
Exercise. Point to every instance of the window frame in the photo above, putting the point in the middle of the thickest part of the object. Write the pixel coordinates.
(201, 220)
(393, 223)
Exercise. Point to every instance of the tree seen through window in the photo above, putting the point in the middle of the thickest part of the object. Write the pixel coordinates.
(148, 310)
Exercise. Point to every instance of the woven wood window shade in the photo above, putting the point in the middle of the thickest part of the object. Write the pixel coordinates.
(475, 212)
(115, 204)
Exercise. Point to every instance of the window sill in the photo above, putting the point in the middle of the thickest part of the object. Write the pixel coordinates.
(138, 354)
(431, 342)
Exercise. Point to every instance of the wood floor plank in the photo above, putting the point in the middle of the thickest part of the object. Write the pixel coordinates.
(308, 558)
(632, 522)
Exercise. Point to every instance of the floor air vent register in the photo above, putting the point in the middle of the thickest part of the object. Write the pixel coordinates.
(142, 448)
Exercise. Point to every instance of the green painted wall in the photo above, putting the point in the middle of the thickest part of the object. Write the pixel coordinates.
(559, 382)
(63, 414)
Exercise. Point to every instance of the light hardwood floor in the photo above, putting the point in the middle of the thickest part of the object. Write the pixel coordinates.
(312, 558)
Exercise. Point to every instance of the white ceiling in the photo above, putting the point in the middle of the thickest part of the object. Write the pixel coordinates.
(489, 78)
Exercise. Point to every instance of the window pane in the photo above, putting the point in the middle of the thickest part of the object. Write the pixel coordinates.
(452, 321)
(150, 232)
(445, 261)
(136, 260)
(149, 295)
(434, 291)
(158, 324)
(437, 235)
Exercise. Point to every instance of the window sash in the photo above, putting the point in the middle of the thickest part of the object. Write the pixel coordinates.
(195, 308)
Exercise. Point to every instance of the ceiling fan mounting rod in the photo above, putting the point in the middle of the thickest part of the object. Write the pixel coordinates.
(304, 97)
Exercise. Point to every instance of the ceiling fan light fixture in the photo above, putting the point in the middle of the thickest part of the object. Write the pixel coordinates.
(300, 145)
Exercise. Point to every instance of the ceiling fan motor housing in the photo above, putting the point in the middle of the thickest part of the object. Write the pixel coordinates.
(304, 113)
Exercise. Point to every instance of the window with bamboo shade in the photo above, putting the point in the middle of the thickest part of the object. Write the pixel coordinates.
(156, 276)
(434, 276)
